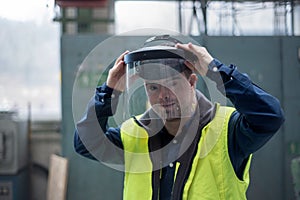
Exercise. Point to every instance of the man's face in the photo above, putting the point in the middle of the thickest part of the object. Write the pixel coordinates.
(173, 97)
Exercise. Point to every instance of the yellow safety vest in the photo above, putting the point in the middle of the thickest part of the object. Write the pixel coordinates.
(212, 176)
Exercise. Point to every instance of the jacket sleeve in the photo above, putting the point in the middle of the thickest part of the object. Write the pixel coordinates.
(258, 114)
(93, 139)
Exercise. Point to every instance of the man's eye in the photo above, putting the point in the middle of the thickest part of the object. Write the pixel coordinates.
(152, 87)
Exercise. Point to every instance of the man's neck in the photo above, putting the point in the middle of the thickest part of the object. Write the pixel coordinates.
(174, 126)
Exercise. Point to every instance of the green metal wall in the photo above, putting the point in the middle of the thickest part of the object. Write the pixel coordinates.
(271, 62)
(87, 179)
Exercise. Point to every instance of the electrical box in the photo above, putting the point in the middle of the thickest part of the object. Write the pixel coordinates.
(14, 173)
(13, 143)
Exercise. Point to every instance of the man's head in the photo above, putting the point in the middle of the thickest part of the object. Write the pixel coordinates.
(170, 84)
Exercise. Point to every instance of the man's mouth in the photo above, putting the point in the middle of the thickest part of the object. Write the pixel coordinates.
(168, 105)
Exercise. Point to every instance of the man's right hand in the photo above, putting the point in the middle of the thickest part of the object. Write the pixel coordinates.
(117, 74)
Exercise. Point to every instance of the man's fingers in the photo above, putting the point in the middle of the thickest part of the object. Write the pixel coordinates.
(192, 47)
(121, 57)
(181, 46)
(188, 47)
(120, 64)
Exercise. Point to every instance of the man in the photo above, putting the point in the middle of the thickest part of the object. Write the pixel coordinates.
(183, 146)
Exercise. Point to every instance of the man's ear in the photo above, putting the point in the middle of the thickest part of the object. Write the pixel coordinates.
(193, 80)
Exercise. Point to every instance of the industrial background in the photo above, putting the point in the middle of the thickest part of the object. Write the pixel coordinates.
(272, 61)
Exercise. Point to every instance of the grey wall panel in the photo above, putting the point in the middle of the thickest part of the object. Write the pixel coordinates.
(87, 179)
(256, 56)
(291, 102)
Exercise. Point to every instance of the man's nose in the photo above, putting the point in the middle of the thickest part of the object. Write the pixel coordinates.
(164, 92)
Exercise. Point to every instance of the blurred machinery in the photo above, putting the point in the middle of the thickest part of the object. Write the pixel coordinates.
(194, 16)
(14, 173)
(85, 16)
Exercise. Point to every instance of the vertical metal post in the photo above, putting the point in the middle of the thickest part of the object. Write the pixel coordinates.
(180, 16)
(29, 150)
(204, 12)
(292, 18)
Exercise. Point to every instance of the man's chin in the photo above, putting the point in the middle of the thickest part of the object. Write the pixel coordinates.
(172, 119)
(171, 116)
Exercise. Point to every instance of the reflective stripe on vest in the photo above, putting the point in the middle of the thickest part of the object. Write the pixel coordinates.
(211, 177)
